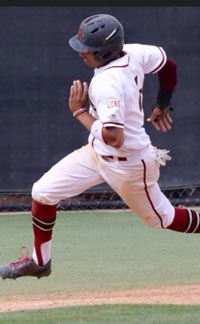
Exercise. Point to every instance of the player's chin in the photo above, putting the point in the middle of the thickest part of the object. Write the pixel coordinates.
(90, 64)
(86, 62)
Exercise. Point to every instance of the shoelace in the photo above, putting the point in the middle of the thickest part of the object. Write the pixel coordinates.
(24, 255)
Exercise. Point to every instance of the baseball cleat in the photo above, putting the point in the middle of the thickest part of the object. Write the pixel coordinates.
(25, 266)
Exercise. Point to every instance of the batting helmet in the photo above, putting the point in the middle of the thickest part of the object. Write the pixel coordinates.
(102, 34)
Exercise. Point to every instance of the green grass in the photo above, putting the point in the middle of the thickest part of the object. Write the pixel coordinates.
(107, 314)
(102, 251)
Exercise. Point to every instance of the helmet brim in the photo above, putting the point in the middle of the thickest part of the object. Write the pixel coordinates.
(76, 44)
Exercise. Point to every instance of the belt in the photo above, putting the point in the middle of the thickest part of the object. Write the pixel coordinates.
(114, 158)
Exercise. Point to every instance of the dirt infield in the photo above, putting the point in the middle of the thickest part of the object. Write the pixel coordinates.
(179, 295)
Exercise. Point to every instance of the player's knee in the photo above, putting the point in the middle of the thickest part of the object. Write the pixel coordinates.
(38, 194)
(152, 222)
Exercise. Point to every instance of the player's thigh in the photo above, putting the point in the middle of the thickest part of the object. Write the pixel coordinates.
(69, 177)
(137, 185)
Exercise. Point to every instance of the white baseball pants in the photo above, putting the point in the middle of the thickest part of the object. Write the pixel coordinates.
(134, 180)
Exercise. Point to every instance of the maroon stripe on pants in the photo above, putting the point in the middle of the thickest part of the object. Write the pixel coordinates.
(148, 197)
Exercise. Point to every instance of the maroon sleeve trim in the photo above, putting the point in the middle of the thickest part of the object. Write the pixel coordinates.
(158, 67)
(168, 76)
(112, 124)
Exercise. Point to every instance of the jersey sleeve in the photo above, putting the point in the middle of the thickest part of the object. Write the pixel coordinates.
(151, 58)
(107, 98)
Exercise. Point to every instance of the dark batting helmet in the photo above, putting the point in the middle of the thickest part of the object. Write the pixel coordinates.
(102, 34)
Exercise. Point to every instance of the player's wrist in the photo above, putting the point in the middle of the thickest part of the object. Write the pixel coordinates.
(79, 112)
(163, 99)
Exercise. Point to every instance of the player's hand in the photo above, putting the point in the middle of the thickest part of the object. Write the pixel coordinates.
(78, 95)
(160, 119)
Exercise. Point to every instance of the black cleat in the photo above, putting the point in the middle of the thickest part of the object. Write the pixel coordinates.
(25, 266)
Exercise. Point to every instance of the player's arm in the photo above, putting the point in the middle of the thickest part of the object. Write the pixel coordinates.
(113, 136)
(160, 116)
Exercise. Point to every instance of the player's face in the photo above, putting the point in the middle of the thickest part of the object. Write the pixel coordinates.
(89, 59)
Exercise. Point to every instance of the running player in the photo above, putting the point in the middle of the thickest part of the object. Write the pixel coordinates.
(119, 150)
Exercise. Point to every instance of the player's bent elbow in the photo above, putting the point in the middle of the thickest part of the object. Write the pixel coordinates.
(119, 141)
(114, 137)
(115, 143)
(118, 144)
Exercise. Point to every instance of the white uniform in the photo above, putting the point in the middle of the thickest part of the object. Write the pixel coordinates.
(115, 94)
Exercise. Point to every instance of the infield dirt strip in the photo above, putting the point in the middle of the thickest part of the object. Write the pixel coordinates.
(179, 295)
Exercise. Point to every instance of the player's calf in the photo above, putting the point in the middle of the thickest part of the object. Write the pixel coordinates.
(185, 220)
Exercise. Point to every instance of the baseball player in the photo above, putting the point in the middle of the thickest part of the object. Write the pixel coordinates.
(119, 151)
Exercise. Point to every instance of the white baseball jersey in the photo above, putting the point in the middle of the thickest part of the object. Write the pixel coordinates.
(115, 94)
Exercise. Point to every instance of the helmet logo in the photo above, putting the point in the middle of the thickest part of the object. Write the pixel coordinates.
(80, 33)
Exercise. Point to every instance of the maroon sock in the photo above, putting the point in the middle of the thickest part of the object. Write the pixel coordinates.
(43, 220)
(185, 220)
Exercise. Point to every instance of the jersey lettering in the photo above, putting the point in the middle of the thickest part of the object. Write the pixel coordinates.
(112, 102)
